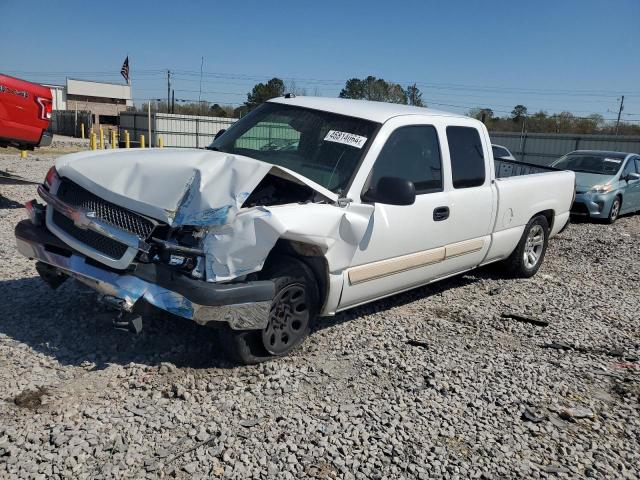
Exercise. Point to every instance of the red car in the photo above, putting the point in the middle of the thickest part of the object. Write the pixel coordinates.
(25, 112)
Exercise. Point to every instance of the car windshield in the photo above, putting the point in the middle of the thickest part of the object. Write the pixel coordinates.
(324, 147)
(599, 163)
(499, 152)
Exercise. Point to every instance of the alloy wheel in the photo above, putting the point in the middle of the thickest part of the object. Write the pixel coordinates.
(615, 209)
(534, 246)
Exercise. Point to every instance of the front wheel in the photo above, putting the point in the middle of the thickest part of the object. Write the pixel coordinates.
(293, 309)
(614, 212)
(527, 258)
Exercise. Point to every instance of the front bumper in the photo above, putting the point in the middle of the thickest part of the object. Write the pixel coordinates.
(593, 205)
(244, 306)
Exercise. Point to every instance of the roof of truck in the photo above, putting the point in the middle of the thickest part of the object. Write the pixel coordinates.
(375, 111)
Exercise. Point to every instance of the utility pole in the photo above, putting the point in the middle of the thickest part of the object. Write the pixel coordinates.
(168, 89)
(200, 92)
(620, 113)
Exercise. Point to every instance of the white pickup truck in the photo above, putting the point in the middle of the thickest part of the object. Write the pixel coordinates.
(303, 208)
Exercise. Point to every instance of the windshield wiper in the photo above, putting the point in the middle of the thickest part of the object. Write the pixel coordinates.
(215, 149)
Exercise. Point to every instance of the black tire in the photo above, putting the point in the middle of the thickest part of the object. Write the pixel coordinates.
(519, 266)
(614, 211)
(293, 310)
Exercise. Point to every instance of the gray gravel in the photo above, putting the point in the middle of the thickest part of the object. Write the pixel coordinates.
(433, 383)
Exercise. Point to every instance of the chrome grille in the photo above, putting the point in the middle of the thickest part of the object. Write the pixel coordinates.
(105, 245)
(119, 217)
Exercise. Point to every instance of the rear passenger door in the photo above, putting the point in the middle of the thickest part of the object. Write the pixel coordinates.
(472, 195)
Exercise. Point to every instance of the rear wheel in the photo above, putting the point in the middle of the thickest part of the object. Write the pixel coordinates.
(293, 309)
(527, 258)
(614, 211)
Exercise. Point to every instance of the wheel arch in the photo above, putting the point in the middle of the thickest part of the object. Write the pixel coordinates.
(549, 214)
(312, 256)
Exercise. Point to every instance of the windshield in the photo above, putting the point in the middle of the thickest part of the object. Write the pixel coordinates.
(324, 147)
(599, 163)
(499, 152)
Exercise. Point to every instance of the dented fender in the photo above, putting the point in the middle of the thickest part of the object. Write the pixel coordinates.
(241, 246)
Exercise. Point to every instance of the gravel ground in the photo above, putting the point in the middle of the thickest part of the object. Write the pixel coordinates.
(434, 383)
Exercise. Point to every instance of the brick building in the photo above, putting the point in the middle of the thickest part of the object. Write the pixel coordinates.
(104, 100)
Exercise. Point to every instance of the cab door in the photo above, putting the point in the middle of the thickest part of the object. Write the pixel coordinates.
(442, 233)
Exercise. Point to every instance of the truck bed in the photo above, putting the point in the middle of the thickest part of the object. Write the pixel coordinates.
(510, 168)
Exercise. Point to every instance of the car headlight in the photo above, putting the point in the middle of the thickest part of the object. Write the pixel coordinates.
(604, 188)
(51, 178)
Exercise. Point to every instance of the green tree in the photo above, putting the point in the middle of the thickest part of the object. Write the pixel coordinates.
(372, 88)
(480, 113)
(518, 112)
(264, 91)
(414, 96)
(216, 110)
(353, 88)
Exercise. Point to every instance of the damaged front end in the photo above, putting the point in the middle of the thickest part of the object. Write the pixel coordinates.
(242, 305)
(187, 235)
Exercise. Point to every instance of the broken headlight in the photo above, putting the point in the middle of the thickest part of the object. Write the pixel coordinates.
(182, 250)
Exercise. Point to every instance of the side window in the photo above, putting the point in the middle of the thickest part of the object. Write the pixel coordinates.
(637, 164)
(628, 168)
(412, 153)
(467, 159)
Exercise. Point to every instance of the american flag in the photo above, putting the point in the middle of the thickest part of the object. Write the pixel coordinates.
(125, 69)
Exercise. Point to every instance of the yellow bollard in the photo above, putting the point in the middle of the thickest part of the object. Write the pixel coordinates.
(126, 139)
(160, 142)
(113, 139)
(92, 141)
(23, 154)
(142, 141)
(101, 139)
(82, 131)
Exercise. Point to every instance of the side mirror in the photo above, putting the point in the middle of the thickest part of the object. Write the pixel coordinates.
(218, 133)
(631, 177)
(391, 191)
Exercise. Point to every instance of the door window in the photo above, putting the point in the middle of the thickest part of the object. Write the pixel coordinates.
(412, 153)
(467, 158)
(628, 168)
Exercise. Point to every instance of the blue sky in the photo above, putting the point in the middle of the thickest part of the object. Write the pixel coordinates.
(578, 55)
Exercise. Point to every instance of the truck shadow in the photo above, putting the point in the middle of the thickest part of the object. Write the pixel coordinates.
(7, 203)
(70, 325)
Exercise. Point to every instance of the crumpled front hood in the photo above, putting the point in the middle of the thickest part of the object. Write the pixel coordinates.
(178, 186)
(584, 181)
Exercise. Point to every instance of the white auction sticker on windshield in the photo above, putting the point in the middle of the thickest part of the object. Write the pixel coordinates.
(345, 138)
(613, 160)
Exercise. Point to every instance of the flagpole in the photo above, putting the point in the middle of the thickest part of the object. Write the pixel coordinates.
(129, 82)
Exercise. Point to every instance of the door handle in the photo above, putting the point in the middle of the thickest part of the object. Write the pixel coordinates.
(440, 213)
